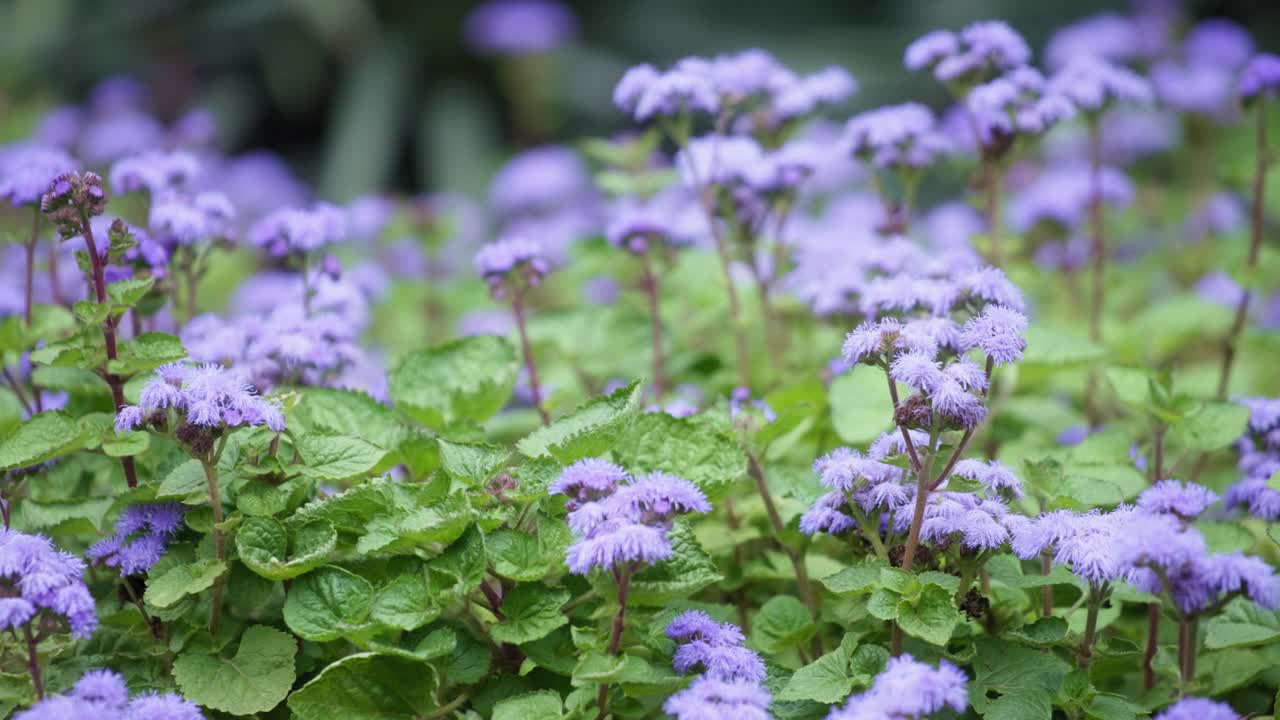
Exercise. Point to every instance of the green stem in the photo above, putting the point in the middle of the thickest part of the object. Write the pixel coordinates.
(219, 542)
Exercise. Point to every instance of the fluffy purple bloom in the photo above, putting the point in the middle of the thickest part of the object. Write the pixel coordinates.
(1261, 76)
(671, 217)
(106, 138)
(908, 690)
(152, 706)
(27, 170)
(715, 648)
(1255, 495)
(719, 160)
(845, 469)
(587, 480)
(540, 180)
(994, 476)
(185, 219)
(496, 262)
(1088, 542)
(205, 395)
(896, 135)
(829, 86)
(103, 695)
(1016, 103)
(614, 542)
(997, 332)
(827, 515)
(33, 570)
(1186, 500)
(294, 230)
(658, 497)
(155, 171)
(1108, 35)
(142, 535)
(1204, 89)
(1092, 84)
(1193, 708)
(930, 49)
(710, 699)
(1062, 195)
(1218, 41)
(974, 54)
(519, 27)
(673, 92)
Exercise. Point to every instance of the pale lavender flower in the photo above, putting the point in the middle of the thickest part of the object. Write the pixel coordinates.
(26, 170)
(997, 331)
(896, 135)
(106, 138)
(103, 695)
(974, 54)
(540, 180)
(1218, 41)
(519, 27)
(1185, 500)
(185, 219)
(670, 93)
(1093, 84)
(498, 261)
(1219, 214)
(142, 535)
(930, 49)
(33, 570)
(995, 477)
(294, 230)
(1062, 195)
(908, 690)
(711, 699)
(672, 217)
(829, 86)
(844, 469)
(155, 171)
(1261, 76)
(717, 649)
(828, 515)
(1107, 35)
(206, 395)
(1200, 88)
(1192, 708)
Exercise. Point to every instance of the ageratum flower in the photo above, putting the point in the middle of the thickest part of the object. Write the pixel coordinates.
(1015, 104)
(511, 260)
(1093, 84)
(155, 171)
(1218, 41)
(38, 578)
(27, 170)
(618, 519)
(1259, 450)
(178, 218)
(974, 54)
(908, 689)
(829, 86)
(299, 231)
(541, 180)
(519, 27)
(1061, 195)
(896, 136)
(1192, 708)
(710, 699)
(1087, 542)
(996, 331)
(715, 649)
(103, 695)
(671, 218)
(996, 478)
(142, 535)
(1184, 500)
(975, 522)
(207, 396)
(1261, 76)
(1108, 35)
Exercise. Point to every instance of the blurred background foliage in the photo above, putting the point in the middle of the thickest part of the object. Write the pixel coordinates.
(363, 96)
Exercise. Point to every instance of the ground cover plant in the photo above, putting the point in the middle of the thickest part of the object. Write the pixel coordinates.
(769, 406)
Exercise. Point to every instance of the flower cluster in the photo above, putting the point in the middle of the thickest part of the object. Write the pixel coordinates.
(103, 695)
(511, 264)
(204, 396)
(970, 56)
(519, 27)
(619, 520)
(896, 136)
(155, 171)
(299, 231)
(1093, 84)
(1193, 708)
(1259, 450)
(27, 170)
(38, 578)
(70, 198)
(908, 689)
(731, 677)
(1260, 77)
(1201, 79)
(142, 535)
(1017, 103)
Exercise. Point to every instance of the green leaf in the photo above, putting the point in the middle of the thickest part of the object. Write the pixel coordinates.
(332, 411)
(255, 680)
(519, 556)
(368, 686)
(1056, 347)
(861, 408)
(1241, 623)
(1014, 682)
(462, 564)
(783, 622)
(466, 379)
(1215, 426)
(127, 444)
(405, 601)
(694, 448)
(600, 669)
(855, 579)
(45, 436)
(1131, 385)
(590, 430)
(126, 293)
(186, 482)
(65, 515)
(333, 458)
(831, 678)
(476, 462)
(541, 705)
(179, 582)
(406, 529)
(1044, 631)
(328, 604)
(688, 570)
(932, 617)
(531, 612)
(146, 352)
(275, 552)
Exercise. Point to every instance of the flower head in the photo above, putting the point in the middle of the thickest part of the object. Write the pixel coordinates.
(1193, 708)
(27, 170)
(1093, 84)
(295, 230)
(1260, 77)
(142, 535)
(710, 699)
(204, 395)
(1185, 500)
(908, 688)
(46, 580)
(519, 27)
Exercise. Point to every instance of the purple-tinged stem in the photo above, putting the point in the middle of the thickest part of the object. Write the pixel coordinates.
(655, 325)
(30, 285)
(803, 586)
(1257, 217)
(906, 435)
(108, 335)
(17, 391)
(517, 306)
(33, 661)
(615, 634)
(1085, 656)
(1153, 643)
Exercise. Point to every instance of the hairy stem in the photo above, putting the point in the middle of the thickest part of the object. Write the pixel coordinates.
(655, 325)
(1095, 601)
(219, 542)
(535, 391)
(803, 586)
(1098, 263)
(906, 434)
(108, 335)
(1257, 218)
(615, 634)
(1153, 642)
(33, 661)
(1188, 640)
(1046, 592)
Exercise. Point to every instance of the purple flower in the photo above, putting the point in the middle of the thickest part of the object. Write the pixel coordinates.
(930, 49)
(844, 469)
(519, 27)
(106, 138)
(154, 171)
(1062, 195)
(102, 695)
(710, 699)
(183, 219)
(1261, 76)
(142, 535)
(294, 230)
(152, 706)
(978, 51)
(1108, 35)
(715, 648)
(27, 170)
(829, 86)
(908, 689)
(205, 395)
(540, 180)
(828, 515)
(896, 135)
(1200, 88)
(101, 686)
(1014, 104)
(994, 476)
(33, 570)
(669, 93)
(498, 261)
(613, 542)
(1192, 708)
(997, 332)
(1093, 84)
(671, 217)
(1187, 501)
(1218, 41)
